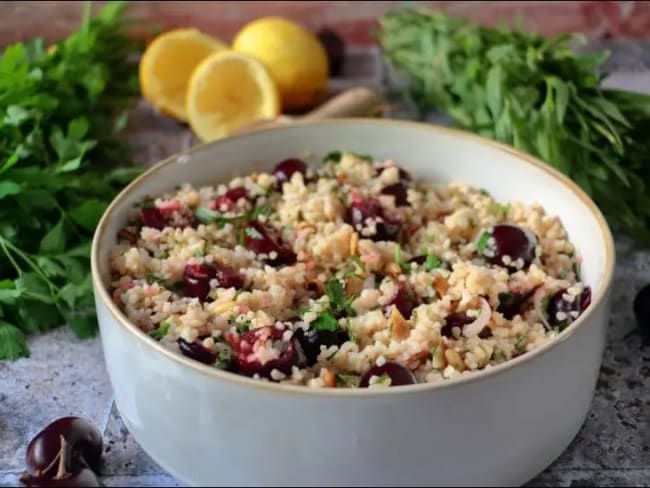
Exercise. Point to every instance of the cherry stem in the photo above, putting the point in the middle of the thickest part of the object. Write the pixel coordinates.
(61, 471)
(59, 458)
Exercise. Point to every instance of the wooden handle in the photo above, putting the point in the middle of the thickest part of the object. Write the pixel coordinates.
(354, 102)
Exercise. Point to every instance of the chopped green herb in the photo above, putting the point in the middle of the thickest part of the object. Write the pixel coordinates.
(197, 253)
(148, 203)
(206, 216)
(383, 379)
(521, 341)
(333, 156)
(325, 321)
(253, 233)
(351, 334)
(164, 255)
(337, 298)
(259, 211)
(177, 286)
(432, 262)
(484, 192)
(399, 259)
(242, 327)
(224, 358)
(160, 331)
(152, 278)
(357, 260)
(482, 242)
(430, 238)
(501, 354)
(336, 156)
(506, 299)
(302, 310)
(347, 380)
(500, 210)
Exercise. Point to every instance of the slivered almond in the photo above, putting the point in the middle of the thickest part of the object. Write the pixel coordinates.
(399, 326)
(393, 270)
(454, 359)
(353, 285)
(414, 360)
(305, 225)
(354, 244)
(441, 285)
(329, 378)
(219, 308)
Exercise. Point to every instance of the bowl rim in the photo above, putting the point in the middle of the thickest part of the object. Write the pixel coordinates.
(102, 294)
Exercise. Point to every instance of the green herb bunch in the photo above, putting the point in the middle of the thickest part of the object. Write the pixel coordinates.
(61, 110)
(536, 95)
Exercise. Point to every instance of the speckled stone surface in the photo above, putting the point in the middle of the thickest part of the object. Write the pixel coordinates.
(65, 376)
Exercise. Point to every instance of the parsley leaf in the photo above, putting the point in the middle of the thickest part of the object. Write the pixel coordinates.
(336, 156)
(482, 242)
(12, 342)
(338, 301)
(224, 358)
(159, 332)
(325, 321)
(432, 262)
(60, 113)
(399, 259)
(346, 380)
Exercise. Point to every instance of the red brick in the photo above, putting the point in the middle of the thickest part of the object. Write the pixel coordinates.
(21, 20)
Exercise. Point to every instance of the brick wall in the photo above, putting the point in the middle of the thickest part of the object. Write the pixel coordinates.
(598, 19)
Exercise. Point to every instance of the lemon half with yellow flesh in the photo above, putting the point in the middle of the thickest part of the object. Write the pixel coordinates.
(167, 65)
(226, 91)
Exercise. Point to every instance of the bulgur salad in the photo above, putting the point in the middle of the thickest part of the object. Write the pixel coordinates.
(345, 274)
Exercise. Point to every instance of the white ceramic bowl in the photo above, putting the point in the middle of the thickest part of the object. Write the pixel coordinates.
(499, 426)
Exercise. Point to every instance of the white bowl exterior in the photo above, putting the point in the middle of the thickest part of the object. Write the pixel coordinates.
(503, 428)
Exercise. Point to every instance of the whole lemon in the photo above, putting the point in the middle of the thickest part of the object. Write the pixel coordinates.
(294, 57)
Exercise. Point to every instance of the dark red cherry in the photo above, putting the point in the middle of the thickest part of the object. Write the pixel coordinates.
(404, 299)
(153, 217)
(362, 209)
(284, 170)
(263, 239)
(335, 49)
(563, 308)
(641, 308)
(246, 361)
(196, 280)
(457, 319)
(196, 351)
(230, 198)
(512, 241)
(398, 374)
(399, 191)
(312, 340)
(83, 445)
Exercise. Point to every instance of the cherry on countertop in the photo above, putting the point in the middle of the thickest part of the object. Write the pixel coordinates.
(642, 309)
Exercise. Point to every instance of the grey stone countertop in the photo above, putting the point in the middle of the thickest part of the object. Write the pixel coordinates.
(65, 376)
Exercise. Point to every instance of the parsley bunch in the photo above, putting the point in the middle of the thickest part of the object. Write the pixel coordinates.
(61, 110)
(536, 95)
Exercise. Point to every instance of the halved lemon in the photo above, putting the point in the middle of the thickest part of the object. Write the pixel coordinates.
(226, 91)
(167, 65)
